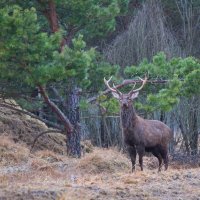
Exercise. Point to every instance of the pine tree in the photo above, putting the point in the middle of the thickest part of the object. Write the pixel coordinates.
(42, 44)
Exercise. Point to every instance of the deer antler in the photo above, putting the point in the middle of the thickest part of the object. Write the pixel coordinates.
(143, 83)
(114, 89)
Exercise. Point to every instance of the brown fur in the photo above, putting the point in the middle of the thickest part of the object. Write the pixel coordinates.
(140, 134)
(145, 135)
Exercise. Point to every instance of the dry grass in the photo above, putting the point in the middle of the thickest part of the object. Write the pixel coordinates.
(49, 156)
(38, 163)
(23, 128)
(103, 174)
(87, 146)
(11, 153)
(103, 161)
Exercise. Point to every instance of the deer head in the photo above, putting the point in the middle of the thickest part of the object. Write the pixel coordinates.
(125, 99)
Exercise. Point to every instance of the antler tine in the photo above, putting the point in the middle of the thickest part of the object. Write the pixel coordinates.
(134, 85)
(107, 84)
(109, 87)
(108, 79)
(116, 89)
(143, 83)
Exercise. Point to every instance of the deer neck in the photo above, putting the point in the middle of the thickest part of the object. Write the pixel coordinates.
(128, 117)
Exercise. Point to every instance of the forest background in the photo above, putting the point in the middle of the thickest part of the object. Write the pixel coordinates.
(55, 53)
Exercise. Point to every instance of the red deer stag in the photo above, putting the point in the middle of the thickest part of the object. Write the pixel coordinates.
(141, 135)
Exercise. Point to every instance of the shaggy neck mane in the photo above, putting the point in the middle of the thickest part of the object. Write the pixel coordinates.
(128, 117)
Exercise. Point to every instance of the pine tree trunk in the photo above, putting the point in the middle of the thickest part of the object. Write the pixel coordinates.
(194, 132)
(73, 139)
(184, 134)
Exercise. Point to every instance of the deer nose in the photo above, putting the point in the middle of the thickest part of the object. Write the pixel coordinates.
(125, 105)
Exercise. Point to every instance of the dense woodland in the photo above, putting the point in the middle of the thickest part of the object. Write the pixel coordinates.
(54, 55)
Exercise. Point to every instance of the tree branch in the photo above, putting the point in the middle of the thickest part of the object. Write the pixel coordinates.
(42, 133)
(60, 99)
(68, 126)
(47, 122)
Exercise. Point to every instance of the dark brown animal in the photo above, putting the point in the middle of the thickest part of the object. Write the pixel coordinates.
(141, 135)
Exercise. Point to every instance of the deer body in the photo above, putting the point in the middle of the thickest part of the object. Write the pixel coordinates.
(147, 132)
(140, 134)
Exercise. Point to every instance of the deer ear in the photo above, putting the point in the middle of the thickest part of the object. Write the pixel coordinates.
(134, 95)
(115, 95)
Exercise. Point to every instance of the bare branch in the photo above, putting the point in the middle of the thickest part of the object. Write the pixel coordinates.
(42, 133)
(47, 122)
(67, 124)
(60, 99)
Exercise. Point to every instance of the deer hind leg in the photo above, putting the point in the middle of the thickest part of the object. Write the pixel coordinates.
(157, 154)
(164, 155)
(132, 153)
(141, 151)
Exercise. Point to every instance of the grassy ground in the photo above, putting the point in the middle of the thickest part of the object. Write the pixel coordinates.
(47, 173)
(102, 174)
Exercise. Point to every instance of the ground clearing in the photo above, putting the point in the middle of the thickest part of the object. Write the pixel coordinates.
(102, 174)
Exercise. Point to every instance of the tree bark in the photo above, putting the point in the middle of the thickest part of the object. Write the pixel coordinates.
(72, 125)
(184, 134)
(51, 15)
(193, 127)
(74, 139)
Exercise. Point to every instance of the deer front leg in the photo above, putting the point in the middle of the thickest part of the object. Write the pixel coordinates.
(132, 153)
(140, 151)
